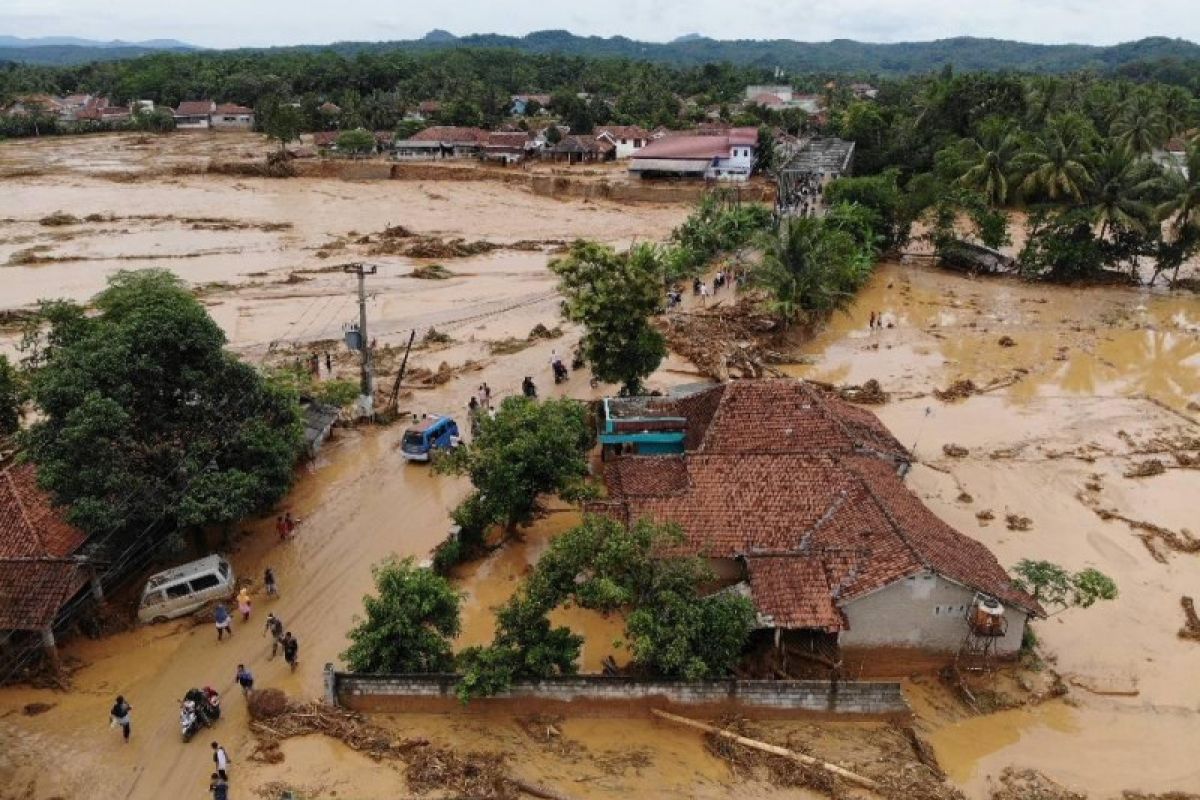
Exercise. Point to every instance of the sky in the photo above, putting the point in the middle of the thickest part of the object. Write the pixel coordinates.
(254, 23)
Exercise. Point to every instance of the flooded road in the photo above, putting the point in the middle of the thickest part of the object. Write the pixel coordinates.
(1095, 382)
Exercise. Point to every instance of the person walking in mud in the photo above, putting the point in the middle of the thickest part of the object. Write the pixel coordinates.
(290, 523)
(120, 717)
(223, 621)
(291, 650)
(219, 787)
(872, 322)
(328, 364)
(244, 605)
(269, 582)
(221, 760)
(281, 528)
(487, 396)
(274, 627)
(528, 389)
(245, 679)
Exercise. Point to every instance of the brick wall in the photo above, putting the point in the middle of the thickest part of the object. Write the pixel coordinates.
(596, 695)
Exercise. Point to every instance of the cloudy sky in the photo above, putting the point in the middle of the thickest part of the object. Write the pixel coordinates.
(232, 23)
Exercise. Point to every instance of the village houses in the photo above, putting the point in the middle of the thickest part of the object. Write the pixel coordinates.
(728, 155)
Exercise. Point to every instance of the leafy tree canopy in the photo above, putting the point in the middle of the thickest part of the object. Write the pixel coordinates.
(613, 296)
(410, 622)
(1051, 585)
(143, 395)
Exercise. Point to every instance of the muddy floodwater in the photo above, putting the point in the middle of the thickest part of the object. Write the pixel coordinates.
(1088, 385)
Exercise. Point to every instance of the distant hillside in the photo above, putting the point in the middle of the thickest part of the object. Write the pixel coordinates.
(72, 50)
(840, 55)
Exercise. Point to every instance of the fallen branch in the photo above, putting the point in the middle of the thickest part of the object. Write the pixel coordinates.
(536, 790)
(755, 744)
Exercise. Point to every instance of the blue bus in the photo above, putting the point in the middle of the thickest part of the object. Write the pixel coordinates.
(432, 433)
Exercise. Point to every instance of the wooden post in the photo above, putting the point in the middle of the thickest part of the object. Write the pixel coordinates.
(51, 648)
(755, 744)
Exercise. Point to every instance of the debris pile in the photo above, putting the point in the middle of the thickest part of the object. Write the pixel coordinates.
(783, 772)
(1016, 522)
(1007, 341)
(431, 272)
(869, 393)
(1145, 469)
(1027, 784)
(726, 341)
(955, 450)
(58, 219)
(464, 774)
(959, 390)
(540, 331)
(1191, 625)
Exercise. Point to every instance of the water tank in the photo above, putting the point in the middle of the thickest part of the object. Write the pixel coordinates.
(987, 617)
(354, 339)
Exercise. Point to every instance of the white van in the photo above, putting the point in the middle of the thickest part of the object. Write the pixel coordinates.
(183, 589)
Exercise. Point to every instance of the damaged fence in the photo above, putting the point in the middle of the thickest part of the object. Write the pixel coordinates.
(601, 695)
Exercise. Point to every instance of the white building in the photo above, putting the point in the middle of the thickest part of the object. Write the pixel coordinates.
(626, 139)
(194, 114)
(726, 156)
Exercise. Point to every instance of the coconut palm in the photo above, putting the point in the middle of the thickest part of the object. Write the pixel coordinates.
(810, 268)
(1181, 209)
(1055, 163)
(1141, 124)
(990, 162)
(1121, 181)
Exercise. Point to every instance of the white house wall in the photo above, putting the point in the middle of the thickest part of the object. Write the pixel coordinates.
(924, 612)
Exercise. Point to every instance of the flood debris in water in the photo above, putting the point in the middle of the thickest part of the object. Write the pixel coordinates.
(1018, 522)
(867, 393)
(1191, 624)
(958, 390)
(1146, 469)
(955, 450)
(1028, 784)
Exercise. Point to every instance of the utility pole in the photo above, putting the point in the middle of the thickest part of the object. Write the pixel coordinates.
(368, 360)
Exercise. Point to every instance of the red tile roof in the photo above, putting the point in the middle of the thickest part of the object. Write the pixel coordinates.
(233, 108)
(325, 138)
(779, 469)
(793, 592)
(624, 131)
(32, 592)
(36, 575)
(429, 106)
(30, 526)
(195, 108)
(767, 99)
(507, 139)
(451, 134)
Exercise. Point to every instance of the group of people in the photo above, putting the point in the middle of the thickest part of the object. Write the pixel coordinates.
(285, 526)
(219, 783)
(804, 198)
(282, 640)
(876, 322)
(700, 288)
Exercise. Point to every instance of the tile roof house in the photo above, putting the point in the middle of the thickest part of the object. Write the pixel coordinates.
(454, 140)
(194, 114)
(507, 146)
(580, 148)
(800, 495)
(232, 117)
(627, 139)
(40, 570)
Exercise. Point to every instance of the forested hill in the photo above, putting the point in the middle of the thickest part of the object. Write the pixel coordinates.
(840, 55)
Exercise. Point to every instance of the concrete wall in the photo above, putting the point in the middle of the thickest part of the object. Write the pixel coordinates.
(597, 695)
(925, 612)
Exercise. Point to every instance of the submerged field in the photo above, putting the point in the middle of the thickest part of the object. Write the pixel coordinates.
(1095, 383)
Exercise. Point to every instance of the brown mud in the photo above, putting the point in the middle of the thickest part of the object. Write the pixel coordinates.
(1097, 381)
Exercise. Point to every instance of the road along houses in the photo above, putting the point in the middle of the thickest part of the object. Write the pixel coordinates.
(797, 500)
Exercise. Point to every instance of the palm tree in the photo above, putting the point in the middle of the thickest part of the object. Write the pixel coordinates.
(990, 163)
(810, 268)
(1141, 125)
(1055, 165)
(1121, 181)
(1181, 209)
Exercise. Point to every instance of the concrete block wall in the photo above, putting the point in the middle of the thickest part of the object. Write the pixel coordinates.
(598, 695)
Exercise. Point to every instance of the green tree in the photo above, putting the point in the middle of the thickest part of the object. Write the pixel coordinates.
(880, 193)
(613, 296)
(1141, 125)
(1055, 163)
(283, 123)
(810, 269)
(989, 165)
(143, 395)
(1121, 181)
(10, 398)
(410, 622)
(356, 142)
(1062, 247)
(1051, 585)
(527, 449)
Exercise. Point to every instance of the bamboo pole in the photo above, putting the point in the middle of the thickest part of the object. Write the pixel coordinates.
(799, 758)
